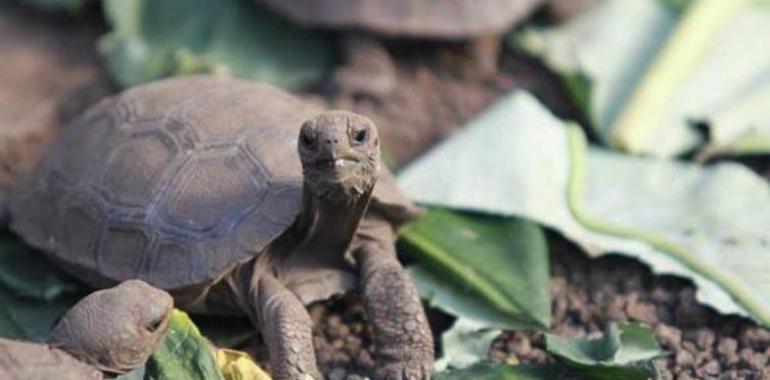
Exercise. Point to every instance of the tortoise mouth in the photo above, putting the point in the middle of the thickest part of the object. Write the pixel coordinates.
(339, 168)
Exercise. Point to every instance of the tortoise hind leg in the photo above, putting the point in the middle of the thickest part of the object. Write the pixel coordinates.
(402, 336)
(368, 70)
(287, 331)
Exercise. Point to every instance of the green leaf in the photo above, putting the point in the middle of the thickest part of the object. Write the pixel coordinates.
(488, 269)
(153, 39)
(25, 319)
(669, 67)
(184, 354)
(33, 294)
(709, 224)
(624, 352)
(467, 342)
(28, 274)
(489, 371)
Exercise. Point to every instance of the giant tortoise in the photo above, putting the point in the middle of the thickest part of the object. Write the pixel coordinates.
(369, 69)
(237, 198)
(109, 332)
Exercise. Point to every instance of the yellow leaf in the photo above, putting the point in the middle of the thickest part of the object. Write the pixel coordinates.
(237, 365)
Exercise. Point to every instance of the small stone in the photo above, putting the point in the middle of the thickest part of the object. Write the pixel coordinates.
(642, 312)
(671, 337)
(728, 348)
(337, 374)
(684, 376)
(684, 358)
(704, 338)
(364, 360)
(615, 308)
(752, 360)
(710, 368)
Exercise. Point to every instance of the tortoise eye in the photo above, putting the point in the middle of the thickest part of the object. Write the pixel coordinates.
(153, 326)
(361, 136)
(307, 140)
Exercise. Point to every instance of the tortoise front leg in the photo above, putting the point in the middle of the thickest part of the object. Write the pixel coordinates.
(402, 336)
(287, 331)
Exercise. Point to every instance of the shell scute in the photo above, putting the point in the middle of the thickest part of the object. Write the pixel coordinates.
(135, 167)
(213, 188)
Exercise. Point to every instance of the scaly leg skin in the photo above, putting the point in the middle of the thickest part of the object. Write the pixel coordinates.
(402, 336)
(287, 330)
(368, 69)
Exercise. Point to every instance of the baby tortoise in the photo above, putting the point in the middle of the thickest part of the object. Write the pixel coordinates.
(236, 198)
(369, 69)
(111, 331)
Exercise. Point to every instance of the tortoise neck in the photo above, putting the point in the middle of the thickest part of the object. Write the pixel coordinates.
(330, 221)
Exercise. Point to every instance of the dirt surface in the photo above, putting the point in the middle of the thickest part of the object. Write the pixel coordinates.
(589, 294)
(50, 71)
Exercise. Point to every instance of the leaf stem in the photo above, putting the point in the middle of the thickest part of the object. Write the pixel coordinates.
(575, 190)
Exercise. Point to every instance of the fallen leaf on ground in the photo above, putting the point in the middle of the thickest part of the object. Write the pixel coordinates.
(710, 224)
(154, 39)
(624, 351)
(671, 67)
(489, 371)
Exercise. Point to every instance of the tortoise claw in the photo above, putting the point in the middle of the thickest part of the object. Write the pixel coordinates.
(403, 371)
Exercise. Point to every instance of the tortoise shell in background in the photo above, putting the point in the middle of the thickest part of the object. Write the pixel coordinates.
(446, 19)
(175, 183)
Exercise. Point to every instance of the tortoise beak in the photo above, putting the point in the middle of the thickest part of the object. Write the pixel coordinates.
(339, 166)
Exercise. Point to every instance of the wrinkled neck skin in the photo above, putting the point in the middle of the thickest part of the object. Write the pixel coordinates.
(329, 222)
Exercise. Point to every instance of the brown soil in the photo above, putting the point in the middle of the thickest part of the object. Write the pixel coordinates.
(589, 294)
(50, 69)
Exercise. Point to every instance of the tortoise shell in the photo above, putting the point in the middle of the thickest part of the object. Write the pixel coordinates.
(174, 182)
(449, 19)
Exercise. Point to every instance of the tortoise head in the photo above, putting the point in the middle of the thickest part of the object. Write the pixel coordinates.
(340, 154)
(116, 329)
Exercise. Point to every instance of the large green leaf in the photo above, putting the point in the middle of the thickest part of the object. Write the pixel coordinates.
(28, 274)
(184, 354)
(153, 39)
(709, 224)
(33, 294)
(489, 371)
(623, 352)
(26, 319)
(645, 71)
(488, 269)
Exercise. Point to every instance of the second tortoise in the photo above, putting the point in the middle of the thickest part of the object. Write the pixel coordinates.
(369, 69)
